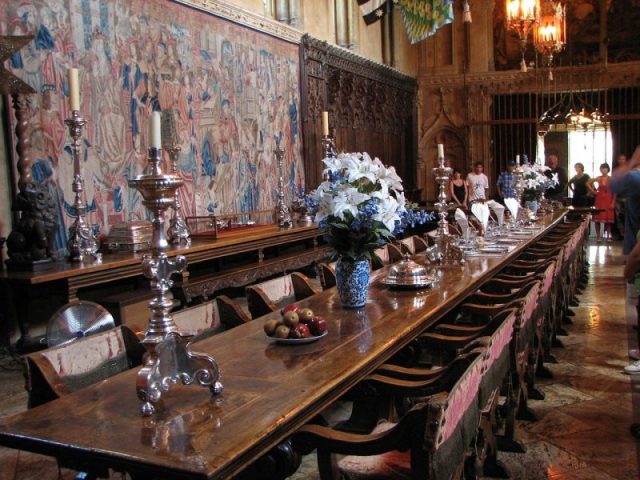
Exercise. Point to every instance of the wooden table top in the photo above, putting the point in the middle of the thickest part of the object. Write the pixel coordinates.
(270, 389)
(200, 250)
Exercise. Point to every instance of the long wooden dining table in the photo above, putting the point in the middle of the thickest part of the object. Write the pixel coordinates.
(270, 389)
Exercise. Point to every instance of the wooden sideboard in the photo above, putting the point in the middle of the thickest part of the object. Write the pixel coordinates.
(264, 251)
(270, 389)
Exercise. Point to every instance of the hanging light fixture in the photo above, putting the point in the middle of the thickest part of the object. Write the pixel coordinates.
(549, 35)
(521, 16)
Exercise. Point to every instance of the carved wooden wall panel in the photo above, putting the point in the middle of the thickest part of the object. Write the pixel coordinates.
(371, 108)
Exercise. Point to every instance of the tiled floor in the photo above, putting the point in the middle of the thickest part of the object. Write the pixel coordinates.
(583, 427)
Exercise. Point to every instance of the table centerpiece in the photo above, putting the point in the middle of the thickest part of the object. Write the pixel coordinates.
(537, 179)
(361, 206)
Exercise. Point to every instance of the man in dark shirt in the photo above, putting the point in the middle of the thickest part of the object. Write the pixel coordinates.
(626, 181)
(559, 191)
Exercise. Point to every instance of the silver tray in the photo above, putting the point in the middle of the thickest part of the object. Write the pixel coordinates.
(389, 282)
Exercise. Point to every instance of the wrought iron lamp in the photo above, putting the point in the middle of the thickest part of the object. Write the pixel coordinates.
(521, 16)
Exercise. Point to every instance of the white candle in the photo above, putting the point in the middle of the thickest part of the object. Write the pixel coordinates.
(518, 160)
(440, 150)
(74, 89)
(154, 130)
(325, 124)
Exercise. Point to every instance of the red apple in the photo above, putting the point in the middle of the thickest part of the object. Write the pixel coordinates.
(300, 331)
(290, 308)
(306, 314)
(317, 326)
(290, 319)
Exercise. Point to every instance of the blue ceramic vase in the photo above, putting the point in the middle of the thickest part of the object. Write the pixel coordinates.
(532, 205)
(352, 282)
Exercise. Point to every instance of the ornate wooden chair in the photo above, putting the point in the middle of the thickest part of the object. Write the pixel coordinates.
(327, 274)
(433, 439)
(231, 314)
(270, 296)
(412, 245)
(58, 371)
(385, 256)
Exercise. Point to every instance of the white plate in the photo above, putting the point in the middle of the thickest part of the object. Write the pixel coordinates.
(298, 341)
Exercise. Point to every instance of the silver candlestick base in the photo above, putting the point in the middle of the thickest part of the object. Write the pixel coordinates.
(82, 242)
(169, 357)
(283, 215)
(178, 231)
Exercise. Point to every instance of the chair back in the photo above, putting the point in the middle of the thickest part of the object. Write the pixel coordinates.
(201, 320)
(58, 371)
(270, 296)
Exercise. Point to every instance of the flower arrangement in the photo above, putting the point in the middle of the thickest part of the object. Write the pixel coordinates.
(537, 179)
(362, 205)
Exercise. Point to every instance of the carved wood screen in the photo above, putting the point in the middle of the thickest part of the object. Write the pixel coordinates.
(371, 108)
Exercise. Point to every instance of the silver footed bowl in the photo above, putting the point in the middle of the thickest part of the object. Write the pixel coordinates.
(408, 274)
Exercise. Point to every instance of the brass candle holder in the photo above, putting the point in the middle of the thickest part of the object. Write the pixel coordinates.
(169, 357)
(82, 242)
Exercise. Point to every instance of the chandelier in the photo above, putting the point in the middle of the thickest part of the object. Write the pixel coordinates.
(521, 16)
(572, 112)
(549, 36)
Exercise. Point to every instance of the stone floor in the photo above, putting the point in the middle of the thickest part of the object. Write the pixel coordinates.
(583, 427)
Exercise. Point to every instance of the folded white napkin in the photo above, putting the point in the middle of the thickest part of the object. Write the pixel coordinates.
(498, 209)
(512, 205)
(481, 211)
(463, 223)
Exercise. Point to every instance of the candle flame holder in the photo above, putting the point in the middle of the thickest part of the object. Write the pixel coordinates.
(82, 242)
(283, 215)
(169, 357)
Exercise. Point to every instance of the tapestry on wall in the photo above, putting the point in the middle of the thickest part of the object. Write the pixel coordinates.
(231, 90)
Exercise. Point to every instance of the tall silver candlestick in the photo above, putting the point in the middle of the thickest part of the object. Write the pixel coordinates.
(444, 251)
(82, 242)
(169, 357)
(442, 174)
(282, 210)
(178, 230)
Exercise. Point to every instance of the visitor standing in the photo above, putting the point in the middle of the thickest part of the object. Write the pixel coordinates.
(578, 185)
(559, 191)
(477, 183)
(458, 189)
(506, 183)
(605, 202)
(626, 181)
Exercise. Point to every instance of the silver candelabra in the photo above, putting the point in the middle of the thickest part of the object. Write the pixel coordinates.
(82, 242)
(282, 210)
(444, 251)
(178, 229)
(169, 357)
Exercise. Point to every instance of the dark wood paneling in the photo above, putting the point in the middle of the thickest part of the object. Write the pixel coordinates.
(371, 107)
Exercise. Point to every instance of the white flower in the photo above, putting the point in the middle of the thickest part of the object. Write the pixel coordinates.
(390, 178)
(347, 200)
(388, 213)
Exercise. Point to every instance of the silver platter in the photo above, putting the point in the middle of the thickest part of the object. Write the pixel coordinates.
(416, 285)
